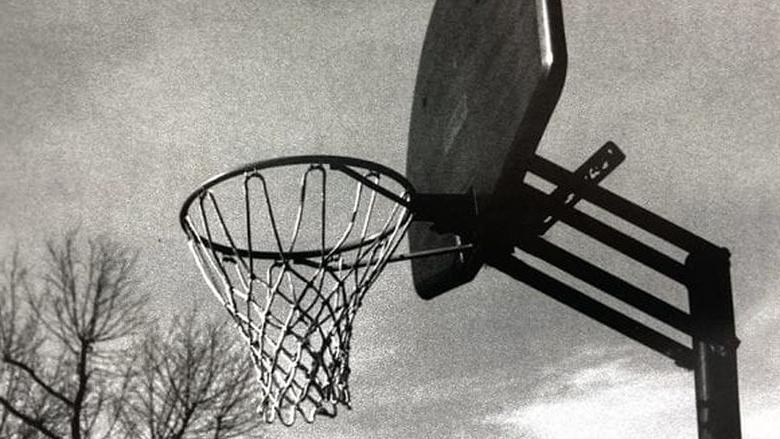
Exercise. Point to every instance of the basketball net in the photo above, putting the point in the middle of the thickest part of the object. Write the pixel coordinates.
(295, 306)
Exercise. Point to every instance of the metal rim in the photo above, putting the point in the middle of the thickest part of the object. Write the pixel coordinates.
(338, 163)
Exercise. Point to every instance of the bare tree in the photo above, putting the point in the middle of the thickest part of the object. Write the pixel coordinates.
(195, 382)
(62, 339)
(25, 406)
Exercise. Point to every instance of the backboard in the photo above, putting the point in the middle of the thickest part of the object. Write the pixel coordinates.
(489, 77)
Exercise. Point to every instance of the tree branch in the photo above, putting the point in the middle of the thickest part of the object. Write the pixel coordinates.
(29, 420)
(31, 373)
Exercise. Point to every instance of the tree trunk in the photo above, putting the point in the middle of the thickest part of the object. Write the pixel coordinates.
(81, 393)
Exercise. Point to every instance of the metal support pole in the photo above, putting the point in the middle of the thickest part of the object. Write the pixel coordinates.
(715, 371)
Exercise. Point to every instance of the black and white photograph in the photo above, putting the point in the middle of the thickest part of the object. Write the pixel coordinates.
(351, 219)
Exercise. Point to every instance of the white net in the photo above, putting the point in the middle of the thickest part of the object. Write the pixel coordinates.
(291, 263)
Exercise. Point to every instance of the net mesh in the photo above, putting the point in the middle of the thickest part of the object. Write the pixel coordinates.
(291, 265)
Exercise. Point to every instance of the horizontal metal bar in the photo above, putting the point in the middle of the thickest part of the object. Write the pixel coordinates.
(610, 236)
(620, 207)
(397, 258)
(557, 290)
(609, 283)
(434, 252)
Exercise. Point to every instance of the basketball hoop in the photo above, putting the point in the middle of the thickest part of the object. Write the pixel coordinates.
(292, 275)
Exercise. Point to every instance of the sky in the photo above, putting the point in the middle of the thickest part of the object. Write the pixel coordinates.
(112, 112)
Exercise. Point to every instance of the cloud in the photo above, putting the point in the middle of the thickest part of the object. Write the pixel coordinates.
(762, 318)
(612, 399)
(761, 423)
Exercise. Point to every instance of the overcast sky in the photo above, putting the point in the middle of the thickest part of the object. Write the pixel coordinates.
(111, 112)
